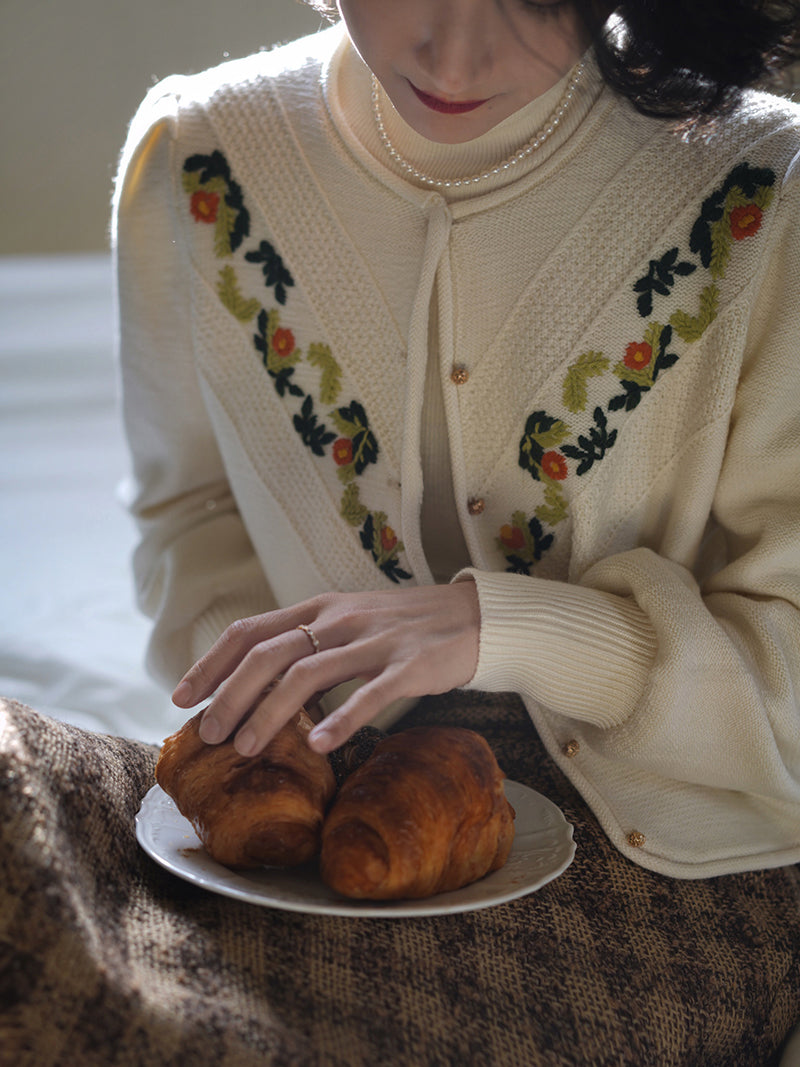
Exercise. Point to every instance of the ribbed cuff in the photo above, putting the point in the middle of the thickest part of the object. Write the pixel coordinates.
(579, 651)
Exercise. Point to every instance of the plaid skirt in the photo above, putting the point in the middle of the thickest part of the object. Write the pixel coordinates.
(107, 960)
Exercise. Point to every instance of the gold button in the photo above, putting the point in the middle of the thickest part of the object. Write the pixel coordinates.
(572, 748)
(475, 505)
(459, 375)
(636, 839)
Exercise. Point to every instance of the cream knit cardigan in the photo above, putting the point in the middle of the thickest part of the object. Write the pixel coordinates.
(617, 338)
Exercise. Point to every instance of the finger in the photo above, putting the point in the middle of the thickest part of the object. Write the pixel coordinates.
(244, 687)
(236, 641)
(298, 686)
(205, 675)
(357, 711)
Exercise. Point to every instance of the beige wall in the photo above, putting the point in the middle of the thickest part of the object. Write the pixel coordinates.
(72, 73)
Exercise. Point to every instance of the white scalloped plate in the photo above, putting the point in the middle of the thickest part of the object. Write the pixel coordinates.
(543, 849)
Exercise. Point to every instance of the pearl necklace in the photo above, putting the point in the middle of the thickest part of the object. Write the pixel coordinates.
(527, 149)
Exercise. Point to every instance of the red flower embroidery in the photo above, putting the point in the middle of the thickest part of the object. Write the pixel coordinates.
(388, 538)
(745, 221)
(512, 537)
(343, 451)
(637, 355)
(283, 342)
(554, 466)
(204, 206)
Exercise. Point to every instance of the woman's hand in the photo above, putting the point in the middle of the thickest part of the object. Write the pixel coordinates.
(402, 643)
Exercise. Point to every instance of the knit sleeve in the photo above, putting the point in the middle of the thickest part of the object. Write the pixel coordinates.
(195, 569)
(690, 677)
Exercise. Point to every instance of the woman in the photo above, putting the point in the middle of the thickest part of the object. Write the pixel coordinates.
(458, 348)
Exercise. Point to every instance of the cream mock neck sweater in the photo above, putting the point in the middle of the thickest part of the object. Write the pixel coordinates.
(606, 342)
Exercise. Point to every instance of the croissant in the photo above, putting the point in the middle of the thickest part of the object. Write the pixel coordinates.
(426, 813)
(250, 811)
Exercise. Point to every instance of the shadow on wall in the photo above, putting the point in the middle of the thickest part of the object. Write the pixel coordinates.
(71, 76)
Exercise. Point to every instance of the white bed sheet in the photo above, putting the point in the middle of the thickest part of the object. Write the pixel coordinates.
(71, 639)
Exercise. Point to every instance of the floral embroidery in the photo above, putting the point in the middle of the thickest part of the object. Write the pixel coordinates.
(636, 381)
(660, 279)
(542, 433)
(207, 180)
(554, 466)
(343, 452)
(204, 206)
(388, 538)
(380, 539)
(216, 199)
(280, 366)
(593, 446)
(512, 537)
(745, 221)
(276, 276)
(283, 342)
(637, 355)
(712, 234)
(732, 213)
(377, 537)
(523, 542)
(352, 423)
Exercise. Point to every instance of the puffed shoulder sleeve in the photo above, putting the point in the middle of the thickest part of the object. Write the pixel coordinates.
(194, 566)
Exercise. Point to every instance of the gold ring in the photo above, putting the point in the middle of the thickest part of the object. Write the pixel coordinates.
(310, 635)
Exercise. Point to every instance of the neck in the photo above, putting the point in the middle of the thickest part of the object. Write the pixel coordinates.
(528, 137)
(497, 169)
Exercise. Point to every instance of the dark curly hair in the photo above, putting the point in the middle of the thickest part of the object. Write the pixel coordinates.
(691, 59)
(685, 59)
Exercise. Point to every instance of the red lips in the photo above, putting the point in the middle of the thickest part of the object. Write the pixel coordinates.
(446, 107)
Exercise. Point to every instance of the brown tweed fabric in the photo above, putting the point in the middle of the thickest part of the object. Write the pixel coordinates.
(108, 961)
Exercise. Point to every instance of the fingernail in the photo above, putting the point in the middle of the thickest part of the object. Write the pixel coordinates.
(182, 695)
(210, 731)
(320, 740)
(246, 742)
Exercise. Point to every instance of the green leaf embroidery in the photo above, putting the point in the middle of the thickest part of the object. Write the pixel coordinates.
(320, 355)
(554, 509)
(587, 365)
(351, 508)
(226, 221)
(231, 296)
(692, 327)
(720, 245)
(190, 181)
(345, 427)
(542, 431)
(764, 196)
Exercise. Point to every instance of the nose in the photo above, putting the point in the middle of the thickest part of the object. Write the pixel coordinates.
(458, 44)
